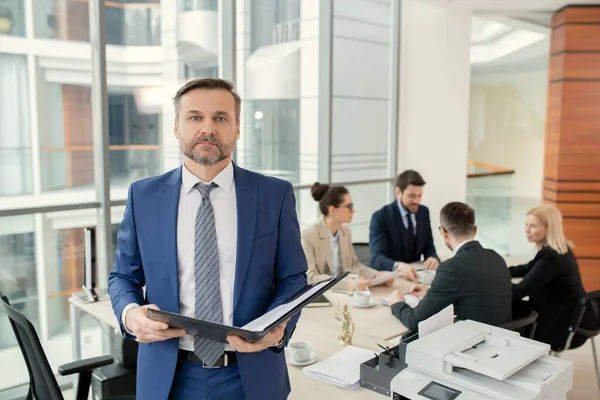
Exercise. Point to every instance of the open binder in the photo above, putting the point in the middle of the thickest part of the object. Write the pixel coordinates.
(255, 330)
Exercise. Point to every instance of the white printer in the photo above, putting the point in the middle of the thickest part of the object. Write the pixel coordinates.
(471, 360)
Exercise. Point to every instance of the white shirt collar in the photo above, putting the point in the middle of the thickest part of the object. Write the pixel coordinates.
(224, 178)
(461, 245)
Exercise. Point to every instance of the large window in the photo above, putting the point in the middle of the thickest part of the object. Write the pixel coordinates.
(128, 22)
(49, 186)
(360, 98)
(269, 74)
(15, 134)
(12, 17)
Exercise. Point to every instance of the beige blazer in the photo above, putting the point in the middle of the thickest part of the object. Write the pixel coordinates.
(317, 248)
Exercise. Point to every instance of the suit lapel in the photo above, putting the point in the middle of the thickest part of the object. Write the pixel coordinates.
(247, 210)
(422, 229)
(325, 247)
(169, 205)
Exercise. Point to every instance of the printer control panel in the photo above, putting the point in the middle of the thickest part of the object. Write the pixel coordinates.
(436, 391)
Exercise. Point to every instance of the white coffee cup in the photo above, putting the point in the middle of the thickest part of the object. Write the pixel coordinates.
(361, 297)
(299, 351)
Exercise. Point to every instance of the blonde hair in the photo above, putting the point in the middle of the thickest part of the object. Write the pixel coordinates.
(552, 219)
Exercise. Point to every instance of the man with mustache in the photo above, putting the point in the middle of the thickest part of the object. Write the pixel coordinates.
(400, 233)
(212, 241)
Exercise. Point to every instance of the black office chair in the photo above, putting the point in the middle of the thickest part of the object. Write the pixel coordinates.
(42, 382)
(362, 252)
(585, 324)
(525, 326)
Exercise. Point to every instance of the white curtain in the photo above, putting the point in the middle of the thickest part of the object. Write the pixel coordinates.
(15, 140)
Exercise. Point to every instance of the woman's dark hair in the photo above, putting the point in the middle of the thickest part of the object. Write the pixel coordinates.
(328, 196)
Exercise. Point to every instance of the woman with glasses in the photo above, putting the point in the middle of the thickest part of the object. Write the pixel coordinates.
(328, 243)
(551, 280)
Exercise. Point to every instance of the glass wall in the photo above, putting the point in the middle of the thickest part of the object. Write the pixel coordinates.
(279, 104)
(128, 22)
(66, 152)
(360, 98)
(15, 134)
(18, 272)
(47, 153)
(12, 17)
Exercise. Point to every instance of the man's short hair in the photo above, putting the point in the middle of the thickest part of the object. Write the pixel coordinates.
(409, 177)
(209, 84)
(457, 219)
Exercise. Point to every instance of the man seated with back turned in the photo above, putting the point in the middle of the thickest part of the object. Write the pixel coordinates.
(400, 232)
(476, 280)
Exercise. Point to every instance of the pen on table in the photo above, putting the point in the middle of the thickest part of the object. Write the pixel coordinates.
(384, 348)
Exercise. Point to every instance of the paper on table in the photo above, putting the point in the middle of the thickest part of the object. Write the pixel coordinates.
(412, 300)
(342, 369)
(418, 265)
(437, 321)
(425, 276)
(384, 278)
(261, 323)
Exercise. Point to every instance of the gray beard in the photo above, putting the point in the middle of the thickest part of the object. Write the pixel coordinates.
(207, 160)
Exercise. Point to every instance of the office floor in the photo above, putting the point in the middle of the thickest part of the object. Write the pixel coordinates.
(584, 382)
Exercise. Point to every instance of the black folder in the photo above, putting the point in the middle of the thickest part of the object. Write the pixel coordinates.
(220, 332)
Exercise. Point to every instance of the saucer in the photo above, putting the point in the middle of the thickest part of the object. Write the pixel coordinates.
(371, 304)
(311, 360)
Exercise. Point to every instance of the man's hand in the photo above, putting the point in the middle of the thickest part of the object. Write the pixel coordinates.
(407, 271)
(419, 290)
(389, 282)
(431, 263)
(361, 284)
(269, 340)
(394, 297)
(147, 330)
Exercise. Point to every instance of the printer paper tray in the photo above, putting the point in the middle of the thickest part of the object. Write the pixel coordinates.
(497, 357)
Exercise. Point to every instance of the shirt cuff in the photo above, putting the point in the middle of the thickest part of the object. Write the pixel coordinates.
(124, 314)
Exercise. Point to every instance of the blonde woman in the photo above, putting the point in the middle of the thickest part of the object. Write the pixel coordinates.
(551, 280)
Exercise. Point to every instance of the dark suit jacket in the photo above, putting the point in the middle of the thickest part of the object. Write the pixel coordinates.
(270, 268)
(387, 242)
(553, 284)
(475, 280)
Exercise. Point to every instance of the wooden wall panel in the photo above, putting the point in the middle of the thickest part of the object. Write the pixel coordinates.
(572, 142)
(576, 66)
(552, 136)
(580, 14)
(584, 232)
(582, 37)
(558, 40)
(570, 186)
(590, 272)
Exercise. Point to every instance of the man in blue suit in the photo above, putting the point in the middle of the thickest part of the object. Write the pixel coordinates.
(400, 233)
(213, 241)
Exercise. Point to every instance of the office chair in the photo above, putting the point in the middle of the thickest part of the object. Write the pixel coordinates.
(42, 382)
(585, 324)
(525, 326)
(362, 252)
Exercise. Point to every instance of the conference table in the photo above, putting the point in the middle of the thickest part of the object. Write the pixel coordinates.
(374, 327)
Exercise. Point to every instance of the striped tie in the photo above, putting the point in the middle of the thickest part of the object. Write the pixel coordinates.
(206, 274)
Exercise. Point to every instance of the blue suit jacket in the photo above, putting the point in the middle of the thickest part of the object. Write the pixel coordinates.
(386, 242)
(270, 267)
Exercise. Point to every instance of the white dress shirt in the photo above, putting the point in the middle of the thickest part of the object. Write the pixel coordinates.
(405, 214)
(223, 200)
